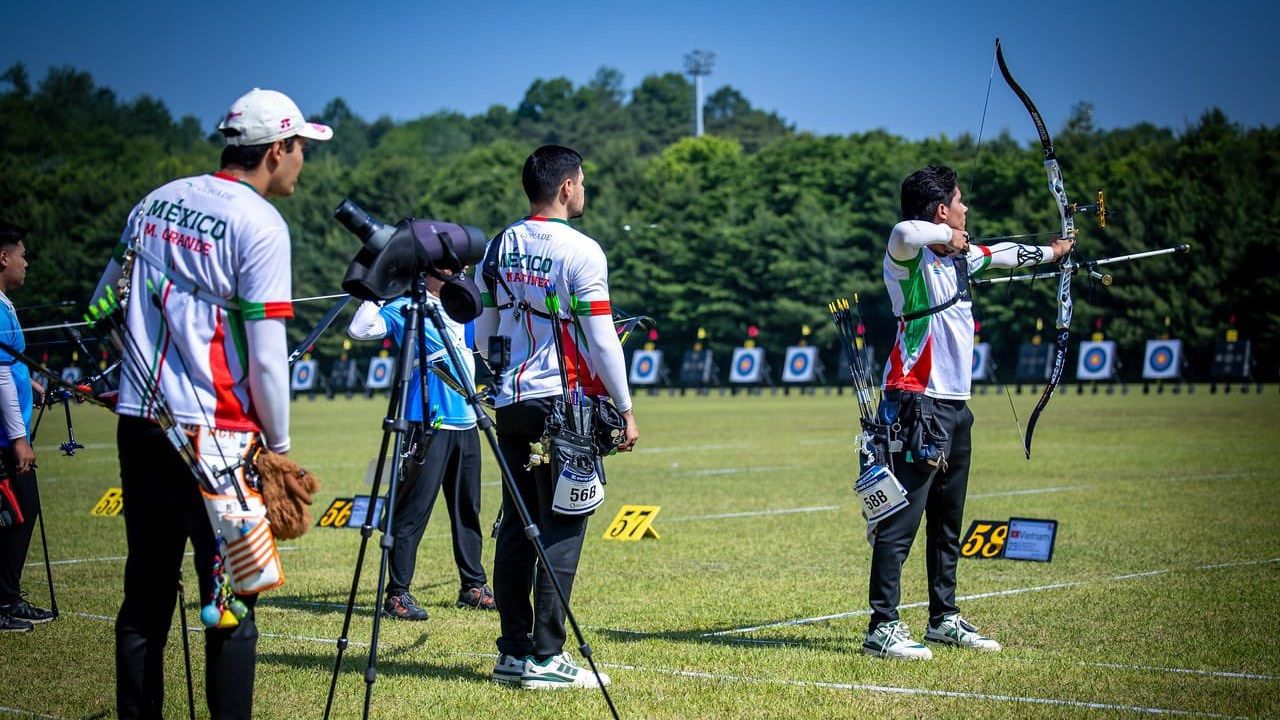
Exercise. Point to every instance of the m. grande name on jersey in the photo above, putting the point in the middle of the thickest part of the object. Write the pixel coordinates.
(182, 240)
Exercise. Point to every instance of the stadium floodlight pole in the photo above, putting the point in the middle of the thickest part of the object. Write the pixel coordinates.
(698, 64)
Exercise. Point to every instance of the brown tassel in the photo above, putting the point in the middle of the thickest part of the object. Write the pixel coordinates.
(287, 489)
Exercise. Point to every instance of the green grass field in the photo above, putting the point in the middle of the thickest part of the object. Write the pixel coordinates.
(1163, 595)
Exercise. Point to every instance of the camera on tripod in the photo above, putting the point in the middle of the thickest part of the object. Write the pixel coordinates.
(393, 256)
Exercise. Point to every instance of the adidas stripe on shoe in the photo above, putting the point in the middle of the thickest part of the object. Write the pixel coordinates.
(559, 671)
(893, 641)
(955, 630)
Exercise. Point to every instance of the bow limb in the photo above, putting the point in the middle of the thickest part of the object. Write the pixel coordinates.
(1067, 266)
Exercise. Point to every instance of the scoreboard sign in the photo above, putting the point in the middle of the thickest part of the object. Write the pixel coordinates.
(350, 512)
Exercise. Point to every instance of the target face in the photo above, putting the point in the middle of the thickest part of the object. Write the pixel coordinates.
(379, 376)
(645, 365)
(1161, 357)
(304, 374)
(1095, 360)
(802, 364)
(748, 365)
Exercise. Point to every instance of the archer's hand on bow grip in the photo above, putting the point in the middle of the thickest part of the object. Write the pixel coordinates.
(1062, 247)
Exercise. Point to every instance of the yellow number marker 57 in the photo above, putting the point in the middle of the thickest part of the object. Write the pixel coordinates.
(633, 522)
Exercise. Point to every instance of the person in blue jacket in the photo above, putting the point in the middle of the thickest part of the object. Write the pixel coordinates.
(20, 500)
(445, 454)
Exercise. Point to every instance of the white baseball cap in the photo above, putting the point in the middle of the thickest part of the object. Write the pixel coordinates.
(263, 116)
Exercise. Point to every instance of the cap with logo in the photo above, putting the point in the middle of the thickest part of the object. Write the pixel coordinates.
(263, 116)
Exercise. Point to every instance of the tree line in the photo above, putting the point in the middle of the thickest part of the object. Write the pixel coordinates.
(755, 223)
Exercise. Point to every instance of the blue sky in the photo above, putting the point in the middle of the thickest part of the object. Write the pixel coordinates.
(918, 69)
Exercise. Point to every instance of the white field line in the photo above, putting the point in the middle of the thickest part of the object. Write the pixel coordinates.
(1112, 666)
(117, 558)
(1216, 476)
(753, 513)
(1183, 671)
(1030, 491)
(195, 628)
(28, 713)
(690, 448)
(739, 470)
(895, 690)
(312, 603)
(77, 561)
(54, 447)
(888, 689)
(827, 508)
(996, 593)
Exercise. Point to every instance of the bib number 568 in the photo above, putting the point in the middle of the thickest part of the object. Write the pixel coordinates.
(577, 495)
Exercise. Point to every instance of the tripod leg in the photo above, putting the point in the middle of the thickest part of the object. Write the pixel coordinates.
(44, 544)
(394, 425)
(186, 647)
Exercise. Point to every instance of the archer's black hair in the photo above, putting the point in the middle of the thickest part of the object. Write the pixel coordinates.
(10, 234)
(546, 169)
(924, 190)
(249, 157)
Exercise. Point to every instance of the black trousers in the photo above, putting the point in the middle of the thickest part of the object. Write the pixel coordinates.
(537, 628)
(162, 509)
(15, 540)
(938, 496)
(451, 459)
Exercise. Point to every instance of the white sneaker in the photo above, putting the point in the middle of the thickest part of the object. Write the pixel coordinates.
(955, 630)
(892, 640)
(559, 671)
(509, 669)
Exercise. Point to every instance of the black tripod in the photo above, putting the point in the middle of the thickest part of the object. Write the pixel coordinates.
(44, 539)
(394, 424)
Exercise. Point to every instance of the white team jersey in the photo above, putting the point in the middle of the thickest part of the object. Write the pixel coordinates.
(535, 254)
(932, 354)
(218, 233)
